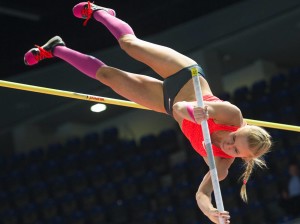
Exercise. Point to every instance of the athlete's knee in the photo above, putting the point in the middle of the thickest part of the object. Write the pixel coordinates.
(127, 42)
(104, 73)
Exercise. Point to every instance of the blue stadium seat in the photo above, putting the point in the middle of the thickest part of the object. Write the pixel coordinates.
(278, 82)
(163, 197)
(288, 115)
(269, 190)
(20, 196)
(97, 215)
(56, 220)
(274, 213)
(268, 116)
(118, 212)
(180, 173)
(58, 186)
(36, 155)
(280, 136)
(261, 105)
(230, 196)
(256, 208)
(149, 183)
(128, 148)
(110, 135)
(97, 176)
(12, 180)
(295, 93)
(247, 108)
(236, 214)
(32, 174)
(70, 163)
(29, 213)
(5, 201)
(91, 140)
(148, 142)
(73, 144)
(39, 191)
(128, 187)
(108, 153)
(168, 215)
(167, 140)
(252, 192)
(150, 217)
(182, 191)
(281, 98)
(158, 161)
(197, 168)
(293, 76)
(188, 211)
(137, 165)
(241, 94)
(108, 193)
(77, 181)
(87, 199)
(17, 161)
(50, 169)
(48, 209)
(68, 204)
(9, 216)
(117, 171)
(88, 159)
(55, 151)
(139, 206)
(77, 217)
(259, 88)
(224, 96)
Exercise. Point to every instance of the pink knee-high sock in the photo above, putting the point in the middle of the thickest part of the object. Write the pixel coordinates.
(116, 26)
(85, 63)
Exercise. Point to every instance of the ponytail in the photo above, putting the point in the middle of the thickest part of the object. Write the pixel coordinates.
(246, 175)
(259, 141)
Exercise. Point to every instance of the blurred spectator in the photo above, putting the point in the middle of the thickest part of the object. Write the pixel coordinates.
(291, 193)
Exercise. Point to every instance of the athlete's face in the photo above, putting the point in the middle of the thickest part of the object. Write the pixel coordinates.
(236, 144)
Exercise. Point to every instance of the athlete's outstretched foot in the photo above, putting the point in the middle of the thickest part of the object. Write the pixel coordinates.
(85, 10)
(34, 55)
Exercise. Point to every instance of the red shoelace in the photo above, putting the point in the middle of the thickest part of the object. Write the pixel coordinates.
(87, 12)
(43, 54)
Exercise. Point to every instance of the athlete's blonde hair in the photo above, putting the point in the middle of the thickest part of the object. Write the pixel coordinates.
(259, 141)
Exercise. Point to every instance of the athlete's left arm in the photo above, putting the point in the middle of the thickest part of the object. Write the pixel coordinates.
(225, 113)
(203, 195)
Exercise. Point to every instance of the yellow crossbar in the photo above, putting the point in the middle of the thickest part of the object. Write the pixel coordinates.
(125, 103)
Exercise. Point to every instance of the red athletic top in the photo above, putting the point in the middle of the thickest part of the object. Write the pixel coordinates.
(194, 133)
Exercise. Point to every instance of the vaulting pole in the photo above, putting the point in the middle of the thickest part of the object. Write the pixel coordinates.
(208, 146)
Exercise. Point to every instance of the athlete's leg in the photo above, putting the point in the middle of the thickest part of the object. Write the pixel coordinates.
(163, 60)
(144, 90)
(56, 47)
(141, 89)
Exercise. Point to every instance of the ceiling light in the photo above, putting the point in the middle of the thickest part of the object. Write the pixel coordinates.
(99, 107)
(19, 14)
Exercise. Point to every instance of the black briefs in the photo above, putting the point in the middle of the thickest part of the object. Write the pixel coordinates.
(173, 84)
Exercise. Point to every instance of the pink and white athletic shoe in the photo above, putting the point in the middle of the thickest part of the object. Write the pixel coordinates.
(85, 10)
(34, 55)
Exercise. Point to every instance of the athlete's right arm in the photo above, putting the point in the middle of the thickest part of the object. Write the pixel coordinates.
(185, 110)
(223, 112)
(203, 197)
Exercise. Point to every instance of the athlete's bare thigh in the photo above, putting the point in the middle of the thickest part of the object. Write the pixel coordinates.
(163, 60)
